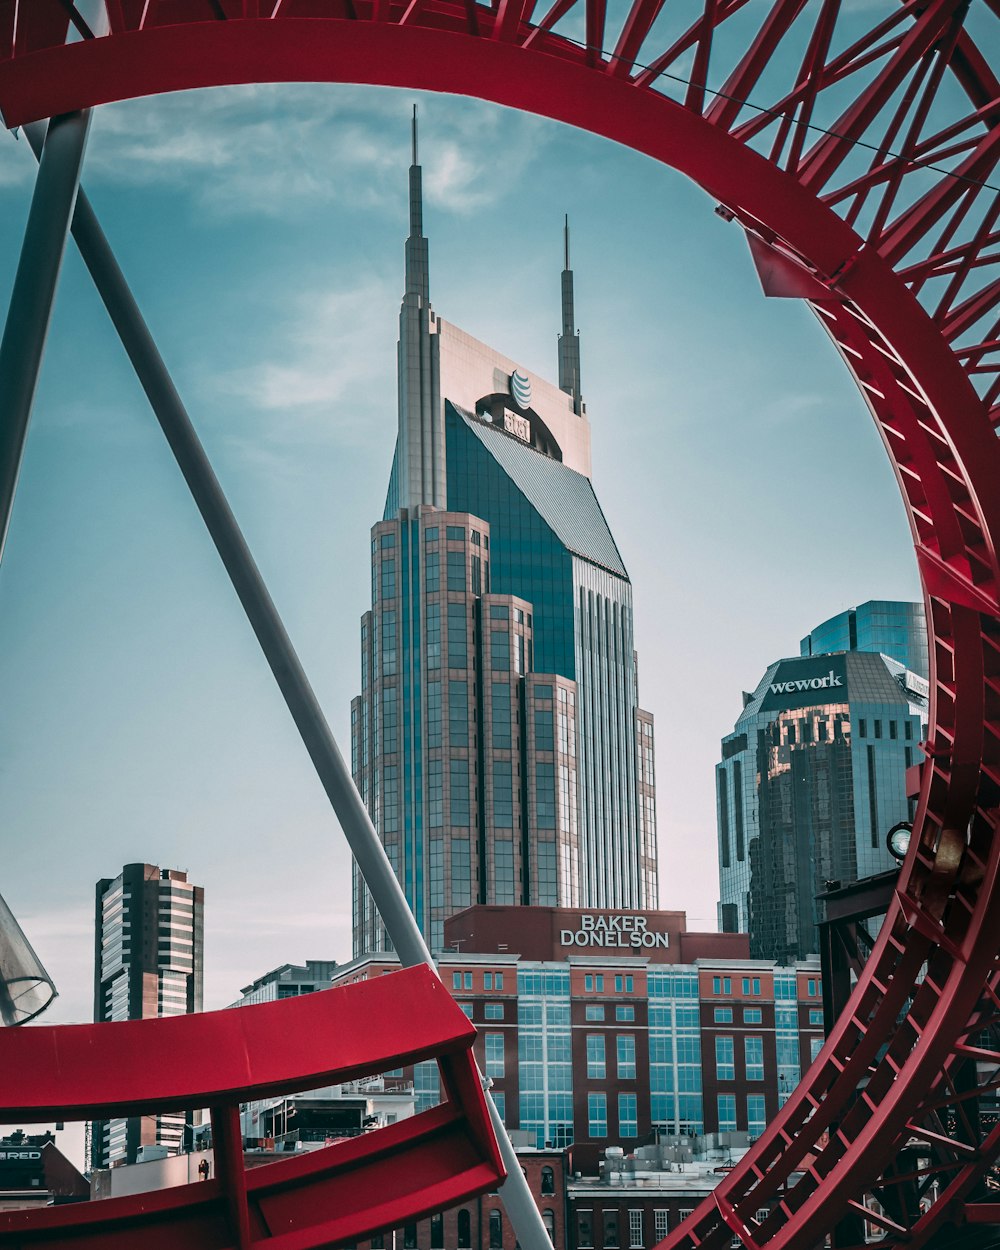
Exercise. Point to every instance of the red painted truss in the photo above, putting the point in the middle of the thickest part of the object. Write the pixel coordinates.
(218, 1059)
(856, 145)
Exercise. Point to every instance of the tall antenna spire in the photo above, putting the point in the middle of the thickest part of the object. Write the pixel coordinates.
(569, 342)
(417, 275)
(420, 451)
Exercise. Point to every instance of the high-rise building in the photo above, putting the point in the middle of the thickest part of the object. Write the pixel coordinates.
(149, 961)
(895, 629)
(498, 740)
(811, 779)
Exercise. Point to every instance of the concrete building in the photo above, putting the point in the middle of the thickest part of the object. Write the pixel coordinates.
(148, 962)
(288, 981)
(616, 1042)
(307, 1120)
(498, 740)
(810, 781)
(638, 1197)
(885, 626)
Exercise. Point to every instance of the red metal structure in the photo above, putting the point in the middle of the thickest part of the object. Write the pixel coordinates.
(855, 145)
(334, 1195)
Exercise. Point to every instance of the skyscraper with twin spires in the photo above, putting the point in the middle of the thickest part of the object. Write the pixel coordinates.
(498, 740)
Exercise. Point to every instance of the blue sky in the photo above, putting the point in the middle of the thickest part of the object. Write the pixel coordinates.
(262, 231)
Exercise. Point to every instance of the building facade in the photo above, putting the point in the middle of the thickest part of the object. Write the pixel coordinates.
(633, 1201)
(498, 740)
(35, 1173)
(810, 781)
(592, 1039)
(305, 1120)
(149, 962)
(288, 981)
(896, 629)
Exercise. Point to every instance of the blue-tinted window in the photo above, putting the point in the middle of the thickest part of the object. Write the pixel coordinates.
(628, 1115)
(459, 804)
(596, 1061)
(433, 628)
(503, 794)
(725, 1062)
(433, 714)
(461, 872)
(500, 651)
(390, 718)
(388, 643)
(456, 570)
(756, 1114)
(458, 713)
(435, 793)
(494, 1055)
(432, 572)
(501, 723)
(389, 577)
(390, 798)
(545, 795)
(597, 1115)
(727, 1113)
(458, 646)
(754, 1051)
(503, 882)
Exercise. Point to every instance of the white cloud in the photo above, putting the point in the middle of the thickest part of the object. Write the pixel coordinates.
(329, 349)
(281, 150)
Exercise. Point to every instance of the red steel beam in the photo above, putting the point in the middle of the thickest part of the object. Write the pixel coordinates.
(936, 430)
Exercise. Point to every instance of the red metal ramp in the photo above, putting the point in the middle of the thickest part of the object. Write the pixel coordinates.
(217, 1060)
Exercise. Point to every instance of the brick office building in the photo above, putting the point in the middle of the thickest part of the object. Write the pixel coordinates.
(602, 1028)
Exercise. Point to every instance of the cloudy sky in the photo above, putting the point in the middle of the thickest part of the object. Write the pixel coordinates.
(262, 231)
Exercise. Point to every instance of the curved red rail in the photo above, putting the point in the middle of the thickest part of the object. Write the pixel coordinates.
(219, 1059)
(856, 148)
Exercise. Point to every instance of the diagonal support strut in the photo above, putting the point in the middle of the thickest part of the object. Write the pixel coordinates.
(262, 614)
(60, 150)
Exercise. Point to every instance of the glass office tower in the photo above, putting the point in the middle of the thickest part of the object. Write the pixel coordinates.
(811, 780)
(890, 627)
(497, 740)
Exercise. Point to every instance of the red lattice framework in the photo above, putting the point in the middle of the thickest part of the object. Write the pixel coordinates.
(856, 145)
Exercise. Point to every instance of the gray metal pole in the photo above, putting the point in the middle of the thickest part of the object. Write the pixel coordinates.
(278, 650)
(34, 290)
